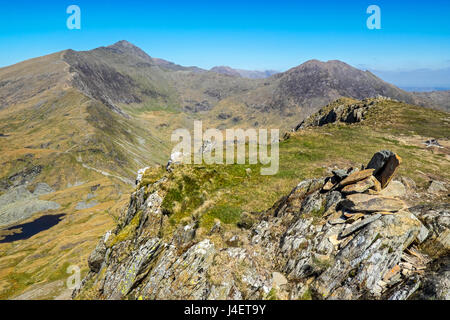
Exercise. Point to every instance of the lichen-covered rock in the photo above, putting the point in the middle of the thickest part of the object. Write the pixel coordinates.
(372, 203)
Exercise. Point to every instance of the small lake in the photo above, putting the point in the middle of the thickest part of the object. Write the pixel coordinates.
(27, 230)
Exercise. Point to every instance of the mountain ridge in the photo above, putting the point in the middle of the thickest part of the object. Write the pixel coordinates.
(251, 74)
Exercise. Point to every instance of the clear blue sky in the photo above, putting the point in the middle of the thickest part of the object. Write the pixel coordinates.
(242, 34)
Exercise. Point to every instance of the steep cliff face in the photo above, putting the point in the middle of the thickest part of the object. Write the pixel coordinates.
(347, 236)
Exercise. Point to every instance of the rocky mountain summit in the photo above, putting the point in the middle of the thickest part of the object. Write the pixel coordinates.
(346, 236)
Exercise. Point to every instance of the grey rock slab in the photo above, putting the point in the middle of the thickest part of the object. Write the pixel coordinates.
(372, 203)
(437, 187)
(14, 195)
(358, 225)
(394, 189)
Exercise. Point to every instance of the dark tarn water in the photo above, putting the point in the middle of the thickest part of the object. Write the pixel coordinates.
(32, 228)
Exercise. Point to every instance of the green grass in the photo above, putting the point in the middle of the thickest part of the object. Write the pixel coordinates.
(18, 282)
(225, 213)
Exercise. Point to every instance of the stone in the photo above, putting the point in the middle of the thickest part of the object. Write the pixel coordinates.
(360, 186)
(444, 239)
(329, 184)
(340, 174)
(433, 143)
(356, 176)
(336, 221)
(387, 173)
(436, 187)
(358, 225)
(379, 160)
(385, 213)
(334, 240)
(408, 183)
(97, 257)
(353, 217)
(234, 241)
(217, 227)
(312, 203)
(376, 184)
(423, 234)
(406, 290)
(332, 199)
(279, 280)
(19, 204)
(140, 174)
(394, 189)
(184, 234)
(436, 282)
(372, 203)
(391, 273)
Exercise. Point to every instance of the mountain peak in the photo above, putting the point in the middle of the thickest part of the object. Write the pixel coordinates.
(324, 64)
(123, 44)
(127, 47)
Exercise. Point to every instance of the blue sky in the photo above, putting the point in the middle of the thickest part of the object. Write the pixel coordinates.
(242, 34)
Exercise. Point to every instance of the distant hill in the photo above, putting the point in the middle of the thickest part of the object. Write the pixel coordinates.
(251, 74)
(287, 98)
(419, 78)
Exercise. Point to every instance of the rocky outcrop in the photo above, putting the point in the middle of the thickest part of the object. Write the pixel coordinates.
(337, 237)
(21, 178)
(340, 111)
